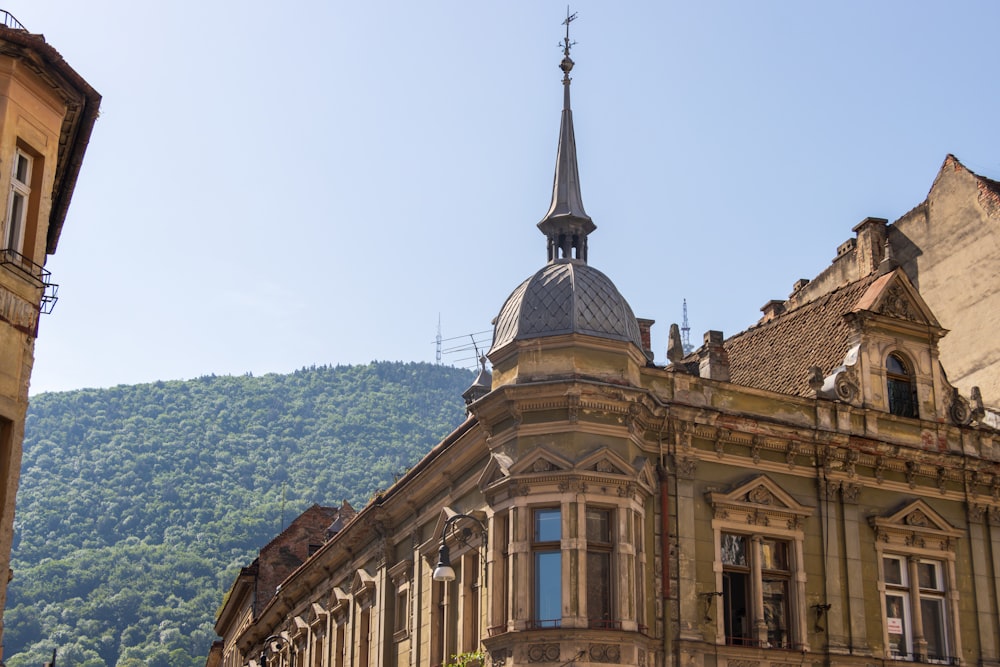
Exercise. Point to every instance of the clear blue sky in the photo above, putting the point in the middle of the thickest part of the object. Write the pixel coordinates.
(275, 185)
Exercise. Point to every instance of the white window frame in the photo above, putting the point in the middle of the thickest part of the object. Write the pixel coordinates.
(20, 190)
(915, 537)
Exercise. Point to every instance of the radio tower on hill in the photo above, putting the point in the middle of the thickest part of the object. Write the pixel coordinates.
(686, 332)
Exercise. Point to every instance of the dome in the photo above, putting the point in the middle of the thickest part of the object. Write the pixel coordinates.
(565, 297)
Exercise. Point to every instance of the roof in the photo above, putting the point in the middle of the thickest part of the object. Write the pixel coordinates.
(83, 104)
(565, 297)
(777, 355)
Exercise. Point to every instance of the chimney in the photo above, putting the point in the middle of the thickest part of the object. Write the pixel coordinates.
(714, 360)
(772, 309)
(871, 244)
(644, 328)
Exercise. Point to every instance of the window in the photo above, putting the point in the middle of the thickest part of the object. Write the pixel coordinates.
(547, 558)
(599, 577)
(907, 609)
(17, 206)
(752, 616)
(760, 594)
(899, 387)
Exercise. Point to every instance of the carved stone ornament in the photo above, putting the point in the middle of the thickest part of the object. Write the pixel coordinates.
(755, 449)
(880, 469)
(543, 653)
(994, 516)
(541, 465)
(911, 473)
(851, 462)
(720, 447)
(790, 452)
(846, 386)
(977, 513)
(959, 410)
(917, 518)
(760, 495)
(686, 468)
(498, 658)
(573, 407)
(640, 658)
(742, 663)
(522, 490)
(850, 492)
(942, 478)
(605, 466)
(897, 304)
(608, 653)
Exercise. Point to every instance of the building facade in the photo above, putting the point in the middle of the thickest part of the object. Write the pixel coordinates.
(47, 112)
(812, 491)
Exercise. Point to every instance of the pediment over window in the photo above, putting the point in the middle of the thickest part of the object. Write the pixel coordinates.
(606, 462)
(497, 470)
(894, 296)
(759, 501)
(363, 587)
(916, 524)
(540, 461)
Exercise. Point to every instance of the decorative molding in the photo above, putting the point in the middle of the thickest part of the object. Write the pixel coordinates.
(850, 492)
(498, 658)
(607, 653)
(687, 467)
(543, 653)
(976, 513)
(790, 451)
(880, 469)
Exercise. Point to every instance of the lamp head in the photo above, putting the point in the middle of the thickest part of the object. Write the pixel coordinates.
(443, 571)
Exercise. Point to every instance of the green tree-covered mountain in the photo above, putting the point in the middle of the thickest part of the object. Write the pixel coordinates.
(139, 503)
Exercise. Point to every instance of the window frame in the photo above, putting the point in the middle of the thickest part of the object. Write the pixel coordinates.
(760, 511)
(20, 191)
(552, 548)
(917, 536)
(603, 549)
(901, 386)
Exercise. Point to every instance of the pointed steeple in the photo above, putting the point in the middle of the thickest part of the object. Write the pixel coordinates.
(566, 225)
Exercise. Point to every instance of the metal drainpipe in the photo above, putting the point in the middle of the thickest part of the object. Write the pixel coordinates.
(665, 559)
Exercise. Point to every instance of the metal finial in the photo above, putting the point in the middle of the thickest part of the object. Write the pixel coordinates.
(567, 63)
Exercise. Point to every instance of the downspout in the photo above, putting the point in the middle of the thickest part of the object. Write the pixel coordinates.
(665, 553)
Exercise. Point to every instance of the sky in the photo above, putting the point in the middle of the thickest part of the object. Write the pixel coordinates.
(272, 186)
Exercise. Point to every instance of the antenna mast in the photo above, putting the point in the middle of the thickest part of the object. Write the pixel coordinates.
(438, 341)
(686, 332)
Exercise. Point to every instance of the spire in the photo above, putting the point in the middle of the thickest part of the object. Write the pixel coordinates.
(566, 225)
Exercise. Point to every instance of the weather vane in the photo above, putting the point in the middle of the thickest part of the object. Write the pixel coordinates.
(567, 63)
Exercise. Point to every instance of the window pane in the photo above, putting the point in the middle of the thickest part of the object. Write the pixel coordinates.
(893, 568)
(22, 168)
(734, 549)
(598, 525)
(933, 613)
(928, 573)
(894, 364)
(895, 621)
(548, 525)
(773, 555)
(776, 611)
(599, 588)
(735, 607)
(548, 586)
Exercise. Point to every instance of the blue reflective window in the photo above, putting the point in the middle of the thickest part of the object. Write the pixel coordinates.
(548, 587)
(548, 525)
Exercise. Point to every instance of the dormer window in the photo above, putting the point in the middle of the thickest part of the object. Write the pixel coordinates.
(900, 387)
(17, 206)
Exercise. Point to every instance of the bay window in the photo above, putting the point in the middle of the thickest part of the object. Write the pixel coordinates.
(599, 575)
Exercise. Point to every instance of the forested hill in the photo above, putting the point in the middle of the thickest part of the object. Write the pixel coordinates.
(138, 504)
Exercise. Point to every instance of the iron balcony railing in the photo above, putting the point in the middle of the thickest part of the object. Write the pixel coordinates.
(11, 22)
(36, 274)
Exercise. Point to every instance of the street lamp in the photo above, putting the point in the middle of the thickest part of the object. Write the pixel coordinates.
(443, 571)
(272, 645)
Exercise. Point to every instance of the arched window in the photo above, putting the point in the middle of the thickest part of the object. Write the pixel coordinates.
(899, 385)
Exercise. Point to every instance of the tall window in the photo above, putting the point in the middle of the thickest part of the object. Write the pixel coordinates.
(599, 579)
(17, 206)
(915, 616)
(547, 557)
(755, 615)
(899, 386)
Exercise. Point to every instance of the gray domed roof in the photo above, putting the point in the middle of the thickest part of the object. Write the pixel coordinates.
(565, 297)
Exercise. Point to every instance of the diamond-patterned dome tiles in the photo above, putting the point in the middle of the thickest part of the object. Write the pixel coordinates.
(562, 298)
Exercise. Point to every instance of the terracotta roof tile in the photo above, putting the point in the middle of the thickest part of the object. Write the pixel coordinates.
(776, 356)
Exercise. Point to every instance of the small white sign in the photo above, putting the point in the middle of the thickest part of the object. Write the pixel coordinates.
(895, 625)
